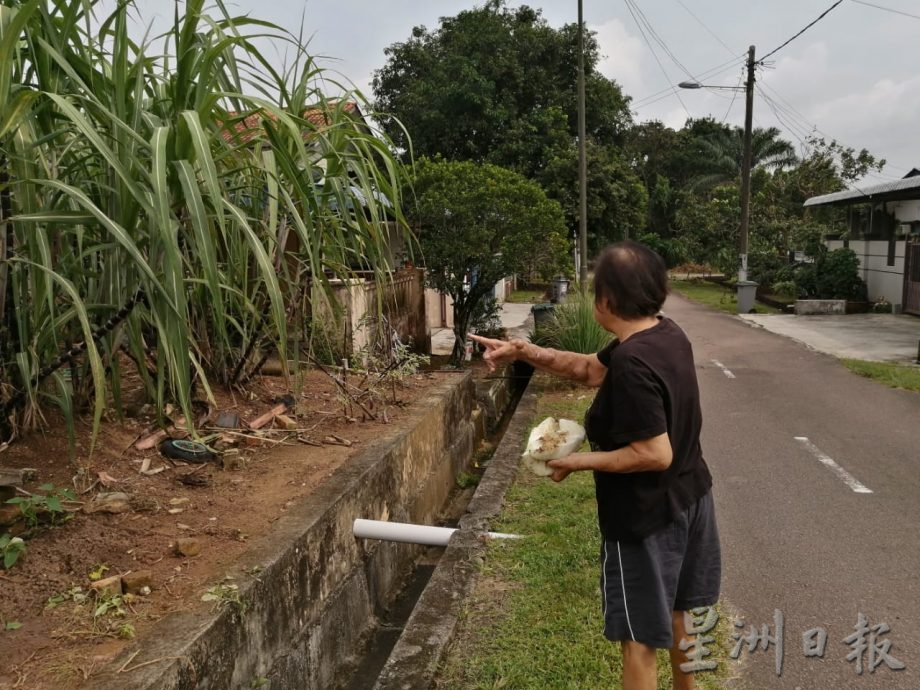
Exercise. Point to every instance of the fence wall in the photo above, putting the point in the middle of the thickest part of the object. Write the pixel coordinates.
(402, 302)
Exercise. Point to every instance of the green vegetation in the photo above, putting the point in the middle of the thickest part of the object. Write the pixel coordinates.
(535, 621)
(486, 221)
(48, 506)
(527, 296)
(496, 84)
(224, 594)
(891, 374)
(713, 295)
(11, 549)
(572, 326)
(145, 182)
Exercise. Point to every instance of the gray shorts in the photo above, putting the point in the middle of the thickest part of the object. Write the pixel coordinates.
(674, 569)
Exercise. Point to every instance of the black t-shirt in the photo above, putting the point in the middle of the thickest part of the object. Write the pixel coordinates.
(650, 388)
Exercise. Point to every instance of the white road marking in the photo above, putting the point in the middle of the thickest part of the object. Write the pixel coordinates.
(723, 368)
(825, 459)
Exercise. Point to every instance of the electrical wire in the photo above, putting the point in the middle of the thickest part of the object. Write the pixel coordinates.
(655, 55)
(887, 9)
(708, 74)
(734, 95)
(805, 125)
(807, 27)
(701, 23)
(658, 39)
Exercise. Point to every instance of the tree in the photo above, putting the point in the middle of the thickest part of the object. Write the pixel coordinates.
(495, 84)
(477, 223)
(617, 199)
(724, 154)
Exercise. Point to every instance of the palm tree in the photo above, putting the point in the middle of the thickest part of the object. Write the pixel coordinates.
(723, 152)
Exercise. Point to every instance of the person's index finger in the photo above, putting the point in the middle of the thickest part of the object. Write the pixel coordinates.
(485, 341)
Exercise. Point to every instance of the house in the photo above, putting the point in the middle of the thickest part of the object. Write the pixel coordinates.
(883, 228)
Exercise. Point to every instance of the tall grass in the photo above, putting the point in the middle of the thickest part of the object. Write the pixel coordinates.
(146, 220)
(572, 326)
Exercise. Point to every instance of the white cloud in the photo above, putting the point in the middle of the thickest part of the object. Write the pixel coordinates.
(620, 55)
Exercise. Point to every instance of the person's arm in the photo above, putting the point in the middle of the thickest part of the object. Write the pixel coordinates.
(585, 369)
(649, 455)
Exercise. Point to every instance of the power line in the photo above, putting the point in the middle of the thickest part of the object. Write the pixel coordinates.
(793, 114)
(701, 23)
(887, 9)
(658, 39)
(629, 7)
(708, 74)
(734, 95)
(807, 27)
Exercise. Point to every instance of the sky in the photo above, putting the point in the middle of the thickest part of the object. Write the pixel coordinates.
(850, 77)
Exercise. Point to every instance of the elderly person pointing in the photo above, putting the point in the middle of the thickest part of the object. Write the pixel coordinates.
(660, 552)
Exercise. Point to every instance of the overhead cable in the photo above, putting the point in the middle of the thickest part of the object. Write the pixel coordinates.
(807, 27)
(629, 7)
(887, 9)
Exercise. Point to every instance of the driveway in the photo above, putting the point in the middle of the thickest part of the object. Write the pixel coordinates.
(516, 318)
(877, 337)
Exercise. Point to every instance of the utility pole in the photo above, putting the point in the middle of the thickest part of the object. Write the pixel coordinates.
(746, 167)
(582, 163)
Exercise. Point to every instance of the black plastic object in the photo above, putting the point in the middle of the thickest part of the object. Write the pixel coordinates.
(189, 451)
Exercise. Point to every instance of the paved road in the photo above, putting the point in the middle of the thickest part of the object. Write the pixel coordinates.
(796, 536)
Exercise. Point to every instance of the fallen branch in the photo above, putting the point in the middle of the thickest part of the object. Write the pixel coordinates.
(342, 387)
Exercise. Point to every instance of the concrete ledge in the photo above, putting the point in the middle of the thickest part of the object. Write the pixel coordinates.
(319, 588)
(814, 307)
(414, 661)
(494, 394)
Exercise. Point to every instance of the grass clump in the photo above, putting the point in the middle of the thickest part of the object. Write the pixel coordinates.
(572, 326)
(891, 374)
(535, 619)
(720, 297)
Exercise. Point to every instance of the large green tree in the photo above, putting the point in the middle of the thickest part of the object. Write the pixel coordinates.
(495, 84)
(477, 223)
(616, 196)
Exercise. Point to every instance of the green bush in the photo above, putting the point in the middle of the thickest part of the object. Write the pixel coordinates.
(806, 280)
(573, 327)
(837, 276)
(673, 250)
(786, 288)
(763, 267)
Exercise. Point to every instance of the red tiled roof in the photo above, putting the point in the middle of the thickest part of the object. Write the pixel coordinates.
(248, 128)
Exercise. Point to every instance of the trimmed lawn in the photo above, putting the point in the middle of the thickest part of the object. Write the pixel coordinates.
(889, 373)
(715, 296)
(523, 296)
(534, 620)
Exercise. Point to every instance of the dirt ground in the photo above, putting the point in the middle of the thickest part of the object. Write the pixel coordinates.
(237, 498)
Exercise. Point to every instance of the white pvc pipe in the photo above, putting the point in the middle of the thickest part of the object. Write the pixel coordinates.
(409, 533)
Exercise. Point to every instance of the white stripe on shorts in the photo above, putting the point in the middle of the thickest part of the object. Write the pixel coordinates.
(623, 585)
(604, 574)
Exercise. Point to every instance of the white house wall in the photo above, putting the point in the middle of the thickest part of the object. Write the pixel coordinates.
(881, 279)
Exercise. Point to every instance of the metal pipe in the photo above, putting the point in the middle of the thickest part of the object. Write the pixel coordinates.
(408, 533)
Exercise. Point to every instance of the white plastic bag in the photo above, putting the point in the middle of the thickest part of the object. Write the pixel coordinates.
(551, 439)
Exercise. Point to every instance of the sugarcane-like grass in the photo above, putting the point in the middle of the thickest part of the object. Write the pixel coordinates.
(142, 229)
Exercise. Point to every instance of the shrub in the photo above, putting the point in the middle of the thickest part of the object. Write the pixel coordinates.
(573, 327)
(786, 288)
(837, 276)
(805, 278)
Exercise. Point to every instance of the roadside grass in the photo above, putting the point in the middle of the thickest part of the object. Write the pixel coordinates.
(715, 296)
(889, 373)
(526, 296)
(535, 618)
